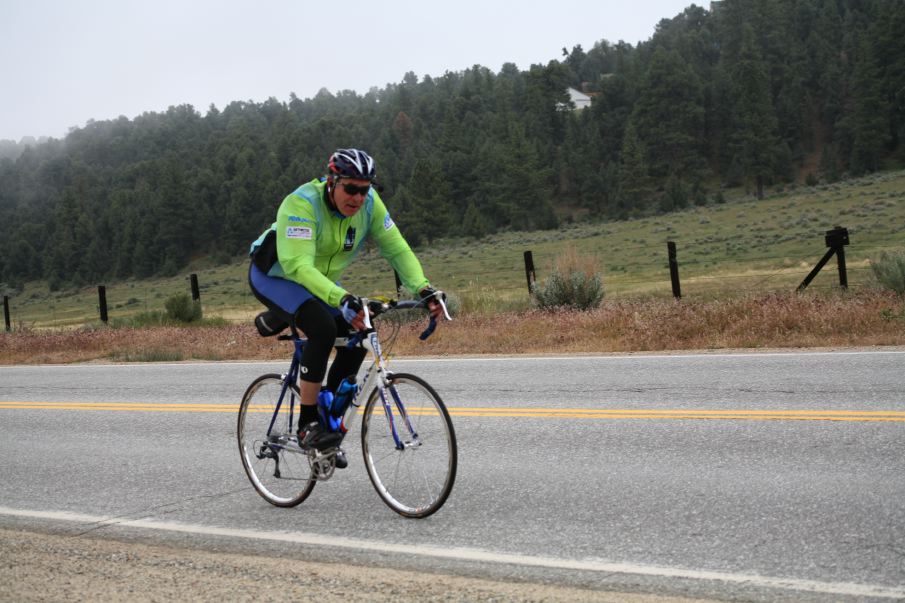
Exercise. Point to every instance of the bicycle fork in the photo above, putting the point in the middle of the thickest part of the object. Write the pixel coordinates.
(388, 410)
(387, 392)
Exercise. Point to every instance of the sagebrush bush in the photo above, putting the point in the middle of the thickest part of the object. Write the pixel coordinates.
(889, 269)
(181, 308)
(574, 282)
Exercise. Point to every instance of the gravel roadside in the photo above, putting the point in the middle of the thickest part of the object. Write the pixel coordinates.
(47, 567)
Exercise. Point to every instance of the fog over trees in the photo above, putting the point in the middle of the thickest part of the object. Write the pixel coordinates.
(752, 93)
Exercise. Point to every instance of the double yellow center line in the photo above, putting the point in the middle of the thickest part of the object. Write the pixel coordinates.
(503, 411)
(685, 413)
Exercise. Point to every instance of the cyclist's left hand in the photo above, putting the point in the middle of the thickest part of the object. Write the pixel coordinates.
(433, 306)
(353, 311)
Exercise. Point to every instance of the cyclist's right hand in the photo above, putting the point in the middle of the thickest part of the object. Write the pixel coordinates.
(353, 311)
(432, 296)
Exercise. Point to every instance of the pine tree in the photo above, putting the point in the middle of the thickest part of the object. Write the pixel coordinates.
(428, 201)
(523, 189)
(634, 182)
(473, 223)
(669, 117)
(866, 125)
(754, 140)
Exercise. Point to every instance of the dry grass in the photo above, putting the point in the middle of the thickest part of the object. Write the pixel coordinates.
(870, 318)
(572, 260)
(774, 321)
(137, 345)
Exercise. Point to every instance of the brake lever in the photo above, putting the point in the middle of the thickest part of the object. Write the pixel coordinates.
(432, 324)
(443, 305)
(367, 312)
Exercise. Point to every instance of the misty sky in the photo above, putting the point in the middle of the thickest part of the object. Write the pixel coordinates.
(65, 62)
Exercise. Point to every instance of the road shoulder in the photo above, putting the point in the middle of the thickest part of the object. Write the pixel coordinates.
(40, 566)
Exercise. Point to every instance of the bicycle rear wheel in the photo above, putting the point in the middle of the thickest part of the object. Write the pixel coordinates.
(414, 475)
(279, 472)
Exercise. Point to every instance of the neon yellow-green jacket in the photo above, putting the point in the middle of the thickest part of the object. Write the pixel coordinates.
(315, 243)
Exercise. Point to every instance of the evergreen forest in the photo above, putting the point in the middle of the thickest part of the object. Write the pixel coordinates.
(745, 94)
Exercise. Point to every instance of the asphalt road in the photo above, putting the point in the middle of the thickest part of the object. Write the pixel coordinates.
(746, 476)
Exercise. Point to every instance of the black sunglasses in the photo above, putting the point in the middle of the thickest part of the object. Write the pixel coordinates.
(352, 189)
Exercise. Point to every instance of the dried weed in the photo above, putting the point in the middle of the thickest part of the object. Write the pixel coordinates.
(868, 318)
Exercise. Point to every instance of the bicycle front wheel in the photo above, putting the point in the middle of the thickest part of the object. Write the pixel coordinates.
(409, 446)
(278, 470)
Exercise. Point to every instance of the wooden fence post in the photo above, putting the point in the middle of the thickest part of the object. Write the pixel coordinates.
(6, 313)
(836, 240)
(196, 294)
(102, 301)
(673, 269)
(529, 272)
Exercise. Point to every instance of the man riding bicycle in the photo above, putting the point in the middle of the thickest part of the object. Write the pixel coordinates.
(319, 229)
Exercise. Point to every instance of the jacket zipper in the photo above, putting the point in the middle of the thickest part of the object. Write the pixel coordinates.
(338, 249)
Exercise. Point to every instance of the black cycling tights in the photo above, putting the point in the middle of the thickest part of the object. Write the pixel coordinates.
(322, 329)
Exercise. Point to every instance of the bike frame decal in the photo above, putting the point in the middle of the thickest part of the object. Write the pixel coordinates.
(375, 345)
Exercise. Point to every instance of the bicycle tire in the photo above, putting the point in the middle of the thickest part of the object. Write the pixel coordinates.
(415, 481)
(282, 478)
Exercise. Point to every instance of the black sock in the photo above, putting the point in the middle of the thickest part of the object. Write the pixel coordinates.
(307, 414)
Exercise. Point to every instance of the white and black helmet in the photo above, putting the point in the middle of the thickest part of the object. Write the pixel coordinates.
(352, 163)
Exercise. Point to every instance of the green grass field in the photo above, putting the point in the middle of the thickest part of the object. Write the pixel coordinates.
(737, 248)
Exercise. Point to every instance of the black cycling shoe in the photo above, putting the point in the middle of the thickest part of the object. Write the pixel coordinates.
(313, 435)
(341, 461)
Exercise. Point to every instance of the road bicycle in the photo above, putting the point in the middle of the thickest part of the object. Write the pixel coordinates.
(407, 437)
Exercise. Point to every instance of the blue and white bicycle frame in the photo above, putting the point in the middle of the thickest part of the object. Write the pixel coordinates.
(377, 375)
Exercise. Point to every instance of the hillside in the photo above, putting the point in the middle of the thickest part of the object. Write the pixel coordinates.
(748, 95)
(733, 249)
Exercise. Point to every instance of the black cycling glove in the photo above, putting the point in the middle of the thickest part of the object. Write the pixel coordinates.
(429, 292)
(351, 307)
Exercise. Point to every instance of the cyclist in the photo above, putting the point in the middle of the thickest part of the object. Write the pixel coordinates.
(319, 229)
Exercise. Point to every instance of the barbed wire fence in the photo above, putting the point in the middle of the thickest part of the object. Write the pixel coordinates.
(663, 272)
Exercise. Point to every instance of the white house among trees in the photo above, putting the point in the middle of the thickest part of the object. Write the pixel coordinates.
(579, 99)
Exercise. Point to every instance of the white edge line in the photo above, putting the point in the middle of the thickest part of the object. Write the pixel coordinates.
(396, 359)
(478, 555)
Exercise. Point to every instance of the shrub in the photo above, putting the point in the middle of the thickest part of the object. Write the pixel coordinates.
(181, 308)
(573, 283)
(889, 269)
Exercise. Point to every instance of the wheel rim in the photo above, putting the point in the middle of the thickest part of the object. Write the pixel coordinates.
(416, 480)
(262, 456)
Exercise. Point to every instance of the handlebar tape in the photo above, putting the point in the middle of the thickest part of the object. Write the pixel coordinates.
(429, 330)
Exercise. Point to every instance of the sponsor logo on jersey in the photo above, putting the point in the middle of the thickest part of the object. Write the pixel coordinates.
(349, 243)
(388, 222)
(299, 232)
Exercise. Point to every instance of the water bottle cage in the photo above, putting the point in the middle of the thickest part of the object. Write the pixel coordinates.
(332, 407)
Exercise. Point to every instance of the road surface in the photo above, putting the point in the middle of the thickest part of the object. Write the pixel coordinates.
(764, 476)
